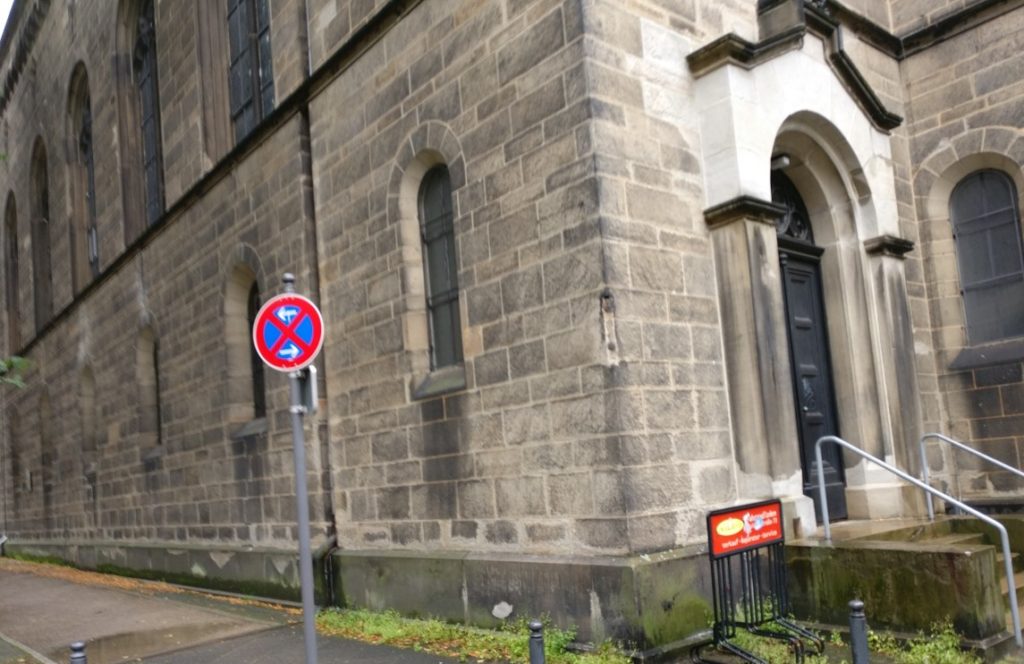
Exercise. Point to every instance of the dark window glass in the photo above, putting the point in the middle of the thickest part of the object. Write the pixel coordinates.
(147, 84)
(259, 391)
(11, 245)
(250, 74)
(440, 269)
(987, 231)
(85, 153)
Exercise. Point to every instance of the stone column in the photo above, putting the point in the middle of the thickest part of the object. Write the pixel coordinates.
(757, 356)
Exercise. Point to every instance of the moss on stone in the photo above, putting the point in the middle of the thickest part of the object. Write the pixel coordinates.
(252, 587)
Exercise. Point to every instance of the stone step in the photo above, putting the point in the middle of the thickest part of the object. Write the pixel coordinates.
(1018, 583)
(955, 538)
(1015, 558)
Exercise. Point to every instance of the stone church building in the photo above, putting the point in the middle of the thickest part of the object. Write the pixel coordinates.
(589, 269)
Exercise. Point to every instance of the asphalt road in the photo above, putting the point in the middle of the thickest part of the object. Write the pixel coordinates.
(43, 609)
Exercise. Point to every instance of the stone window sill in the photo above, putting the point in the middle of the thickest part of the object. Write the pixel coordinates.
(441, 381)
(253, 427)
(990, 354)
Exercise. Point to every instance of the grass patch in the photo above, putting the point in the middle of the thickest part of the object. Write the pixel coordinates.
(940, 646)
(510, 644)
(34, 558)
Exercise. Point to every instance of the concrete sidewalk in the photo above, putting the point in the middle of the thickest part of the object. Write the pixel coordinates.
(44, 608)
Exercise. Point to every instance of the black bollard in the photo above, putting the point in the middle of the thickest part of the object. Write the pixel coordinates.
(78, 652)
(536, 642)
(858, 632)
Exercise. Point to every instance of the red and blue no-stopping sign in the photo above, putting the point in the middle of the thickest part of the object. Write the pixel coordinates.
(288, 332)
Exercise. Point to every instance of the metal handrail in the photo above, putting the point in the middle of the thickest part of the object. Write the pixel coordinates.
(966, 448)
(1005, 539)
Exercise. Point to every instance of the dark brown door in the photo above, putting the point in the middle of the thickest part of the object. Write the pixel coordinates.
(812, 372)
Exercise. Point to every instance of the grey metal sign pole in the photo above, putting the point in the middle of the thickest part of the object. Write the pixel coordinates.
(302, 504)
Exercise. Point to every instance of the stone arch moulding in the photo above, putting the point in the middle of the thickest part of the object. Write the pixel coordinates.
(743, 110)
(428, 145)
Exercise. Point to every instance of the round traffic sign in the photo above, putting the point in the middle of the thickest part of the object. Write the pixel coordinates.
(288, 332)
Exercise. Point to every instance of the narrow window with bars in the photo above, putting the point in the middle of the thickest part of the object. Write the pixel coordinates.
(147, 85)
(85, 153)
(259, 390)
(440, 268)
(987, 232)
(251, 74)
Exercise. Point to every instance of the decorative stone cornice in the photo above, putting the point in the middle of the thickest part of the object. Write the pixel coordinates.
(743, 208)
(888, 245)
(822, 24)
(733, 49)
(21, 33)
(810, 18)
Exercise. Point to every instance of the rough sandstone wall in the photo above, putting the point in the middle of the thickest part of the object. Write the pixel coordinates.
(964, 98)
(204, 483)
(591, 417)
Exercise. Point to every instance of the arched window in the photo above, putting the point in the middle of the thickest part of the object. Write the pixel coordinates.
(987, 231)
(11, 275)
(251, 74)
(41, 273)
(84, 240)
(147, 84)
(246, 387)
(440, 268)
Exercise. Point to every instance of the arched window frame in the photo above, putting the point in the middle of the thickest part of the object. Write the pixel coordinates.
(250, 71)
(11, 269)
(990, 255)
(85, 264)
(440, 268)
(42, 278)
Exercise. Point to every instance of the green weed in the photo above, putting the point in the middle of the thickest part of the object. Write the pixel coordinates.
(511, 643)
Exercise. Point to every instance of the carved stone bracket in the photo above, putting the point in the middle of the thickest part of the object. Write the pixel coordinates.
(888, 245)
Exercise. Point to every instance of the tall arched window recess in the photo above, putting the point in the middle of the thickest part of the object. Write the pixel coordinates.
(84, 239)
(246, 383)
(150, 404)
(144, 67)
(985, 215)
(11, 268)
(41, 271)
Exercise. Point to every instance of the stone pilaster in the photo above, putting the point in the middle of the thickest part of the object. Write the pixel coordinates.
(757, 357)
(874, 493)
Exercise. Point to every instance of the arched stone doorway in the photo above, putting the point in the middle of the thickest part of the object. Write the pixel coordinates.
(839, 159)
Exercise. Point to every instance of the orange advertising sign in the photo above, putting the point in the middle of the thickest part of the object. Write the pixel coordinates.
(736, 529)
